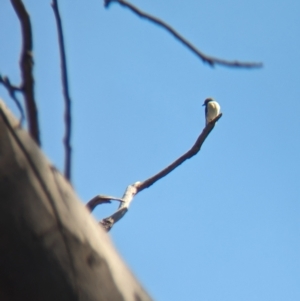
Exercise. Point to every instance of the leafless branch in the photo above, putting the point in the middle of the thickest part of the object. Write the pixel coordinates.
(101, 199)
(65, 85)
(189, 154)
(12, 92)
(26, 65)
(108, 222)
(212, 61)
(137, 187)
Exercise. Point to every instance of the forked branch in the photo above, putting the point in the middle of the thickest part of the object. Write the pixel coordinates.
(137, 187)
(26, 66)
(212, 61)
(11, 89)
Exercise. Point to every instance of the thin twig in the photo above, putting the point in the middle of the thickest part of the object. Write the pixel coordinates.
(26, 65)
(101, 199)
(205, 58)
(65, 85)
(12, 92)
(137, 187)
(189, 154)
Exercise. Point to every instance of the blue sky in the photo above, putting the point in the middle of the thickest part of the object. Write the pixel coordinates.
(224, 225)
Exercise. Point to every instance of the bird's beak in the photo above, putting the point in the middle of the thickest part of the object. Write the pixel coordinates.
(203, 105)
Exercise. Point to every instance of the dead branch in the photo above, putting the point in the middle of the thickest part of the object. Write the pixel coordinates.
(101, 199)
(137, 187)
(189, 154)
(11, 89)
(66, 94)
(212, 61)
(26, 66)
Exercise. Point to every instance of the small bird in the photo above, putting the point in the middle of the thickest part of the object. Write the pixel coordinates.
(212, 109)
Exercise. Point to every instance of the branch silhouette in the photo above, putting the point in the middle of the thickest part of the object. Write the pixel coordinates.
(212, 61)
(137, 187)
(26, 66)
(11, 89)
(66, 94)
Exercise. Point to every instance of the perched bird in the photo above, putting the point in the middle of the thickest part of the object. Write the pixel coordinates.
(212, 109)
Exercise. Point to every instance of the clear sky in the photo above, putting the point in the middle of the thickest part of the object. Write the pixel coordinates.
(225, 225)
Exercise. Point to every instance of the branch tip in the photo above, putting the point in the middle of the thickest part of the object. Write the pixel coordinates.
(66, 94)
(211, 61)
(133, 189)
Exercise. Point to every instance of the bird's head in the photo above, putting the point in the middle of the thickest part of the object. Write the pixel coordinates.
(207, 100)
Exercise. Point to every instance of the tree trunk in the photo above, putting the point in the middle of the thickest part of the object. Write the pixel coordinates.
(51, 248)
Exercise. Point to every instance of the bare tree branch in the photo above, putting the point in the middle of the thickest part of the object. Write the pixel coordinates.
(137, 187)
(101, 199)
(108, 222)
(65, 85)
(212, 61)
(189, 154)
(12, 92)
(26, 64)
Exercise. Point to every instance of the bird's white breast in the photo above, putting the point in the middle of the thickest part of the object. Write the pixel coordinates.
(213, 110)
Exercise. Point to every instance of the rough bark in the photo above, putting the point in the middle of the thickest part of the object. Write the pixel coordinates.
(51, 248)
